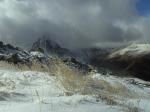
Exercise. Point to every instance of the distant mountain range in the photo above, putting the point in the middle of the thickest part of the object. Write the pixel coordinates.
(50, 47)
(130, 60)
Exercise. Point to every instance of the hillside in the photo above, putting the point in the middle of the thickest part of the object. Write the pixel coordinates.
(50, 82)
(36, 91)
(134, 58)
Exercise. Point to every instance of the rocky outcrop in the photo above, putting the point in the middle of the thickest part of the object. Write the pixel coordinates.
(79, 58)
(75, 64)
(17, 55)
(75, 59)
(12, 54)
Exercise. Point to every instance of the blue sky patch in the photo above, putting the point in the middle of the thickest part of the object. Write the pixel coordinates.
(143, 6)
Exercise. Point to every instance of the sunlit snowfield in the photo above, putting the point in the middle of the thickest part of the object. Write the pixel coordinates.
(22, 91)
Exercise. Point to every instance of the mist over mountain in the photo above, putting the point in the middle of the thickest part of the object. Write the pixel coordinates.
(73, 23)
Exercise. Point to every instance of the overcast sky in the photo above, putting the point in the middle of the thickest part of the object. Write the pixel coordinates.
(74, 23)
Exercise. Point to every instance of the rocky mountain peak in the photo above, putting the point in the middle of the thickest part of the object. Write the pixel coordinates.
(48, 46)
(45, 43)
(7, 48)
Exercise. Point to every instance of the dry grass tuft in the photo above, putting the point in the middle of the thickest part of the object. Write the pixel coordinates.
(76, 82)
(35, 66)
(71, 80)
(99, 86)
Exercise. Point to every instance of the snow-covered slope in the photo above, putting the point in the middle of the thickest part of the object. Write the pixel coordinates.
(134, 50)
(138, 89)
(39, 92)
(134, 58)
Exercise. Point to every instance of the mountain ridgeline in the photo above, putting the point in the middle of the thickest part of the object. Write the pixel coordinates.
(133, 60)
(49, 47)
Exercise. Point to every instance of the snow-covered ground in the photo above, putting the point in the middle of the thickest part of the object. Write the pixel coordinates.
(22, 91)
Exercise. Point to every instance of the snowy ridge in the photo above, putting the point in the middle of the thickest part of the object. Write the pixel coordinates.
(134, 59)
(133, 50)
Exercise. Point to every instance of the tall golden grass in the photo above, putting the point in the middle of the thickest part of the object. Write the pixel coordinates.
(71, 80)
(35, 66)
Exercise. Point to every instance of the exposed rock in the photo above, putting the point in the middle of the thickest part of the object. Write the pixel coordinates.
(51, 48)
(74, 63)
(17, 55)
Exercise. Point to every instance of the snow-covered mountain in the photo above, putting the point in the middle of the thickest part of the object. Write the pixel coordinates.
(134, 58)
(64, 91)
(133, 51)
(85, 55)
(16, 55)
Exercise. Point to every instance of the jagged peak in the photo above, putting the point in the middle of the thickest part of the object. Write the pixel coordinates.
(48, 46)
(45, 43)
(47, 40)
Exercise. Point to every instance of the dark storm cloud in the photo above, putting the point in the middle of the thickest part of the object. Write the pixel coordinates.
(72, 23)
